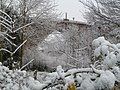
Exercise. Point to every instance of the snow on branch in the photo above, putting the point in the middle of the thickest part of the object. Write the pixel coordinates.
(5, 33)
(6, 14)
(2, 33)
(2, 49)
(114, 47)
(82, 78)
(73, 66)
(6, 24)
(70, 72)
(80, 70)
(96, 71)
(70, 56)
(10, 42)
(19, 47)
(23, 26)
(26, 64)
(4, 19)
(81, 49)
(6, 27)
(45, 86)
(10, 36)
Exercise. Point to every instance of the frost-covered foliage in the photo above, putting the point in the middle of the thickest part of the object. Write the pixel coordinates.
(104, 12)
(9, 40)
(17, 80)
(102, 75)
(104, 17)
(110, 53)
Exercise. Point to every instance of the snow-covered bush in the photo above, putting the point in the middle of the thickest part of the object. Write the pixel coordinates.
(17, 80)
(110, 53)
(110, 71)
(101, 76)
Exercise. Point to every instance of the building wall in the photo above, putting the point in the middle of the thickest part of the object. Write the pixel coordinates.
(79, 42)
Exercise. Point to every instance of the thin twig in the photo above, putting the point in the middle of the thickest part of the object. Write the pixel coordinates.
(19, 47)
(10, 36)
(3, 49)
(10, 22)
(71, 56)
(23, 26)
(6, 15)
(10, 41)
(26, 64)
(6, 24)
(6, 27)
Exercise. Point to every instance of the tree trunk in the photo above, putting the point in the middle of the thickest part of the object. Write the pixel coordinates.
(0, 30)
(22, 31)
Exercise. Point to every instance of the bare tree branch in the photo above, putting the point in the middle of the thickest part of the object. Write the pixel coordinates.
(2, 49)
(19, 47)
(23, 26)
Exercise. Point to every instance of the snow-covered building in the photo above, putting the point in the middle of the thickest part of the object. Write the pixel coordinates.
(68, 45)
(79, 38)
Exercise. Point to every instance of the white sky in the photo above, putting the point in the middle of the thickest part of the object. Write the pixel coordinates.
(73, 8)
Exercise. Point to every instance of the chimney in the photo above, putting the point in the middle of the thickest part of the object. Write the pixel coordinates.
(73, 18)
(66, 17)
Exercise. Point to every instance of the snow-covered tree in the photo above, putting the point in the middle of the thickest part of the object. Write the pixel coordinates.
(104, 16)
(32, 22)
(8, 36)
(68, 47)
(101, 75)
(104, 11)
(41, 15)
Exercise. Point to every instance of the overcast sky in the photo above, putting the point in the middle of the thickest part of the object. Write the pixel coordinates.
(73, 8)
